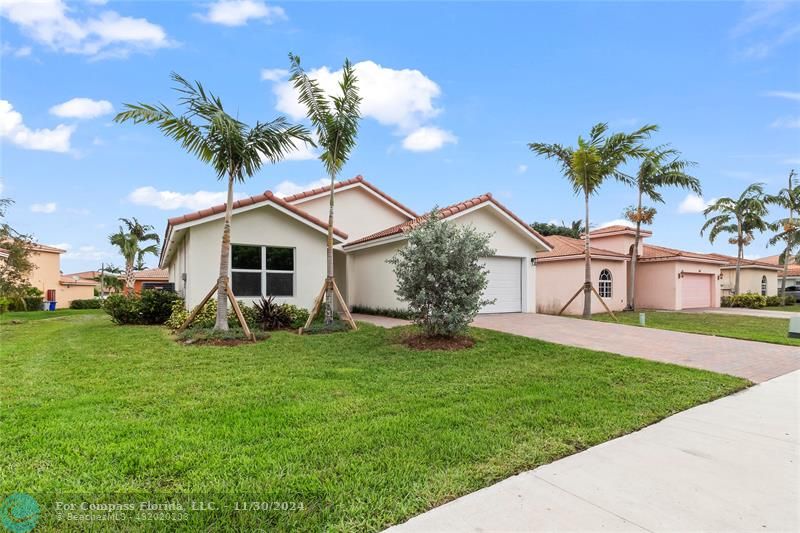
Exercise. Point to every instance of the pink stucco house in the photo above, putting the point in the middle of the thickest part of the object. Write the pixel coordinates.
(667, 278)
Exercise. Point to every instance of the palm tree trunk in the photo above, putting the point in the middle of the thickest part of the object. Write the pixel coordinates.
(739, 256)
(635, 256)
(329, 289)
(587, 280)
(787, 254)
(221, 323)
(130, 279)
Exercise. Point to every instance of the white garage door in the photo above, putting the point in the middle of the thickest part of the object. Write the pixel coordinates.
(505, 285)
(696, 290)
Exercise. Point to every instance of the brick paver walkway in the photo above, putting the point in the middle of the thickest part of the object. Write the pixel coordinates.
(756, 361)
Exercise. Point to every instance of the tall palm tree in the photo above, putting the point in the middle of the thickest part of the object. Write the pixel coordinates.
(586, 168)
(335, 120)
(235, 150)
(789, 199)
(659, 168)
(129, 240)
(740, 217)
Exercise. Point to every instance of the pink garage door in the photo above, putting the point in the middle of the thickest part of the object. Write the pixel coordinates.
(696, 290)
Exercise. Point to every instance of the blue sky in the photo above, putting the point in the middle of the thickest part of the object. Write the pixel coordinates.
(453, 92)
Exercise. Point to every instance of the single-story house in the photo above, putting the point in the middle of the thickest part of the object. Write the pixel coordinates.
(666, 278)
(792, 273)
(758, 277)
(150, 278)
(278, 247)
(46, 276)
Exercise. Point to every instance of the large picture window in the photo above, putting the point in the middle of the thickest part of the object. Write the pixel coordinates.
(262, 271)
(605, 284)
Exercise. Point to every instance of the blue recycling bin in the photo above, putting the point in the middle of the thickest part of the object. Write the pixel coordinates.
(51, 306)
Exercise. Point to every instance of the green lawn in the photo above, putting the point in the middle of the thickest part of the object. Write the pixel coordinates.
(25, 316)
(793, 308)
(751, 328)
(359, 430)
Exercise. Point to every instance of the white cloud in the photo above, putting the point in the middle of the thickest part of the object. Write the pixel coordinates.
(239, 12)
(22, 51)
(83, 253)
(789, 95)
(14, 130)
(82, 108)
(786, 122)
(273, 74)
(48, 207)
(694, 204)
(109, 34)
(168, 200)
(401, 98)
(617, 222)
(522, 169)
(288, 188)
(428, 138)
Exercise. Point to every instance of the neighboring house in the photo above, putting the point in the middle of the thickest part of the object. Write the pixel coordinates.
(278, 247)
(94, 276)
(792, 273)
(46, 276)
(666, 278)
(755, 276)
(150, 278)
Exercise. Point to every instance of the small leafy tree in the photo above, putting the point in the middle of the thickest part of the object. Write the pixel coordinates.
(16, 267)
(440, 275)
(574, 230)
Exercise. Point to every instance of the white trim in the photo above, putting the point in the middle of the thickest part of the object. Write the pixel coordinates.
(264, 270)
(353, 186)
(375, 242)
(761, 267)
(580, 257)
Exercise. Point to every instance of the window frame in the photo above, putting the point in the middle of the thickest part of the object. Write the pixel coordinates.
(263, 270)
(601, 282)
(764, 285)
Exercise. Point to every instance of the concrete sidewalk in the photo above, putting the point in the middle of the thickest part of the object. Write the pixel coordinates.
(729, 465)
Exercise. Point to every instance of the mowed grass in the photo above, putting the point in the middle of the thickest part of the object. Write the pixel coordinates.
(752, 328)
(795, 308)
(361, 431)
(26, 316)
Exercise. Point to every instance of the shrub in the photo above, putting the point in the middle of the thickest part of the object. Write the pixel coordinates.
(749, 300)
(774, 300)
(440, 275)
(123, 309)
(86, 304)
(270, 315)
(383, 311)
(299, 315)
(726, 301)
(155, 306)
(207, 317)
(178, 315)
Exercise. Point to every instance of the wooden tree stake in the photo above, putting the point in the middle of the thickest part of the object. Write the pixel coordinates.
(197, 310)
(329, 283)
(239, 315)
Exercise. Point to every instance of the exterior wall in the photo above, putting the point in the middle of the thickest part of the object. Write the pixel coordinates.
(66, 293)
(356, 212)
(373, 279)
(750, 280)
(557, 282)
(616, 243)
(46, 273)
(657, 285)
(263, 226)
(178, 266)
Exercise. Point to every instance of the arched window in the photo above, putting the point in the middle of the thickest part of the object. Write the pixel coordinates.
(605, 283)
(763, 285)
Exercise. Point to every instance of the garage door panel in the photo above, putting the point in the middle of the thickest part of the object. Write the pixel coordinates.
(505, 285)
(696, 290)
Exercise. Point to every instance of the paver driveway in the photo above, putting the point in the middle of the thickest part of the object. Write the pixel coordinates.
(728, 465)
(756, 361)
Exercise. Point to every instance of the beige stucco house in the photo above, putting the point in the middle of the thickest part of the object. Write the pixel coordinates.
(755, 276)
(46, 276)
(792, 272)
(278, 247)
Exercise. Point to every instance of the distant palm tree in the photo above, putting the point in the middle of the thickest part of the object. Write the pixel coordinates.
(587, 167)
(740, 217)
(129, 241)
(235, 150)
(661, 167)
(789, 199)
(335, 120)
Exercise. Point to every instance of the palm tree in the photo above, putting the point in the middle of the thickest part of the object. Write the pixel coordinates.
(129, 241)
(661, 167)
(587, 167)
(788, 198)
(740, 217)
(335, 120)
(235, 150)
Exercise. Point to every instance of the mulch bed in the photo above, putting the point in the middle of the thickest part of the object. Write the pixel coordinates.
(424, 342)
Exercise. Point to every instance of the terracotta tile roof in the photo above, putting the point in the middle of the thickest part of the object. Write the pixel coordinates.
(445, 213)
(267, 195)
(618, 228)
(151, 273)
(45, 248)
(68, 280)
(651, 252)
(568, 247)
(339, 184)
(745, 262)
(87, 274)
